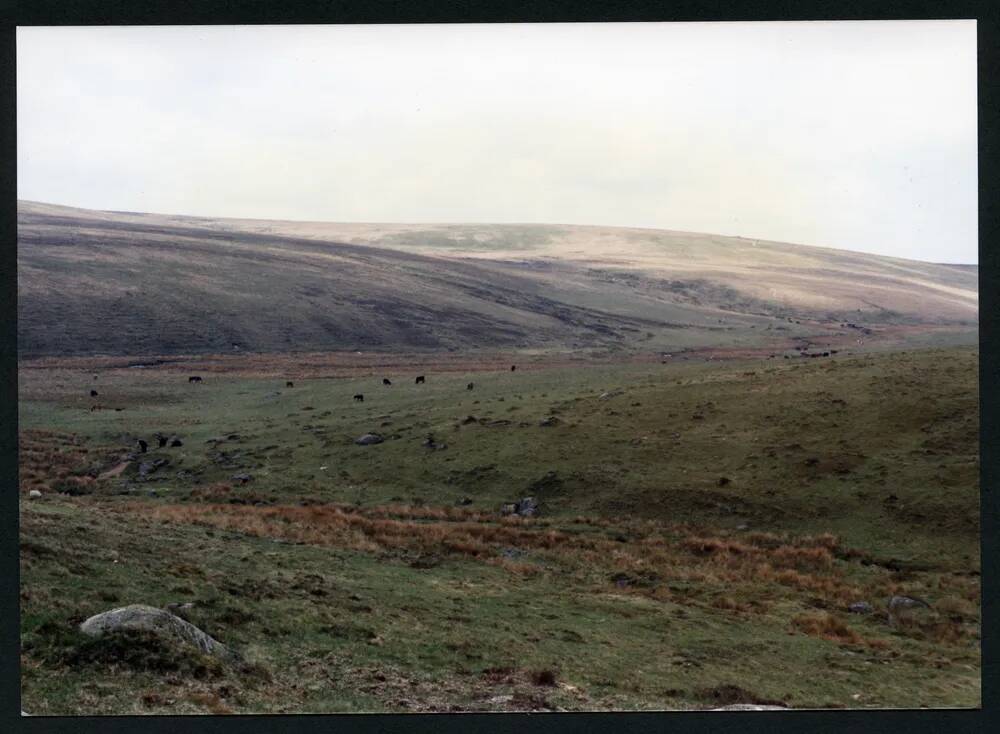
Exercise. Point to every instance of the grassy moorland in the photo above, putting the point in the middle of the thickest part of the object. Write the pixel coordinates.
(704, 527)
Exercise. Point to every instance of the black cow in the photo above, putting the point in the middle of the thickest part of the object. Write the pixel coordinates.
(513, 367)
(162, 440)
(289, 384)
(195, 378)
(469, 386)
(386, 381)
(360, 398)
(142, 446)
(93, 393)
(419, 380)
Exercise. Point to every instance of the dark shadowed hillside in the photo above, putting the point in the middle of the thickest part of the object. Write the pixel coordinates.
(120, 283)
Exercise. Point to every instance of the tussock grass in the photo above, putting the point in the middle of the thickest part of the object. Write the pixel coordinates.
(647, 565)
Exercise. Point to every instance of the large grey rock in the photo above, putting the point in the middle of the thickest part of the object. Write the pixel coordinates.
(368, 439)
(34, 494)
(159, 622)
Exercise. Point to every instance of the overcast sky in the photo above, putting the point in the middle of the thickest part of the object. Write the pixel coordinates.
(853, 135)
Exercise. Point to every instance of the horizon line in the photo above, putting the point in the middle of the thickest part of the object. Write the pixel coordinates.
(494, 223)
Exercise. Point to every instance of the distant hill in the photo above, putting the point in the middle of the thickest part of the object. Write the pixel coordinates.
(97, 282)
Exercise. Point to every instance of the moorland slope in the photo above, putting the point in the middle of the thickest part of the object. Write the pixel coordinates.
(94, 282)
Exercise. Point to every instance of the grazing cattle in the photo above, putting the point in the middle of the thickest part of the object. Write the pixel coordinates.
(386, 381)
(142, 446)
(162, 440)
(469, 386)
(289, 384)
(513, 367)
(360, 398)
(419, 380)
(195, 378)
(826, 354)
(93, 393)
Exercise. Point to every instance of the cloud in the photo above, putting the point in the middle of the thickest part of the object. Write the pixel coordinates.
(854, 135)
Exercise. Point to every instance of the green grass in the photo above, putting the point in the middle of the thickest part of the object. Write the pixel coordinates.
(333, 624)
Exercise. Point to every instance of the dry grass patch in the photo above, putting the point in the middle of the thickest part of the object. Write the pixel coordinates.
(748, 574)
(831, 627)
(52, 460)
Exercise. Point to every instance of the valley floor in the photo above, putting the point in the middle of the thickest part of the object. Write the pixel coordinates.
(704, 527)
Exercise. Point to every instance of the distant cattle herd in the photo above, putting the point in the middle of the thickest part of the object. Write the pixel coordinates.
(422, 379)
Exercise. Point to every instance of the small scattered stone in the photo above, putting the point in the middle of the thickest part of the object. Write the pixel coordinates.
(527, 507)
(861, 607)
(34, 494)
(368, 439)
(148, 467)
(430, 443)
(750, 707)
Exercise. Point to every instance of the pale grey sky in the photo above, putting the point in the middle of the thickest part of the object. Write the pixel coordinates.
(857, 135)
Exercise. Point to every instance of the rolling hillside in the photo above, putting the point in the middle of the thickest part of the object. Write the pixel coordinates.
(118, 283)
